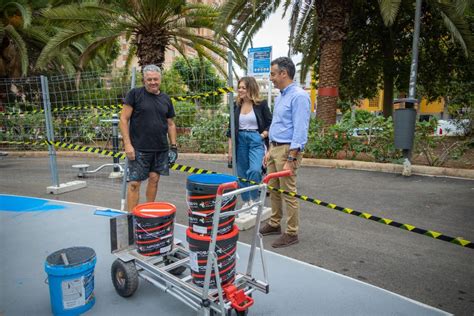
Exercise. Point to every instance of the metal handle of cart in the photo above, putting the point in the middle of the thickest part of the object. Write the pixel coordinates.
(212, 257)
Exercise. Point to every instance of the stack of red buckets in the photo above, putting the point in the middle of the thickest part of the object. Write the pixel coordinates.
(201, 195)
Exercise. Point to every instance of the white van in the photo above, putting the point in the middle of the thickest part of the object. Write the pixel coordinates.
(452, 127)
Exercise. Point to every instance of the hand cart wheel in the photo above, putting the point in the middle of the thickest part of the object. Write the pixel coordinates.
(178, 270)
(124, 277)
(230, 313)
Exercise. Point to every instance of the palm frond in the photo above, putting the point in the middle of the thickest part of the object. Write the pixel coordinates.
(457, 25)
(20, 46)
(389, 10)
(92, 49)
(60, 41)
(25, 12)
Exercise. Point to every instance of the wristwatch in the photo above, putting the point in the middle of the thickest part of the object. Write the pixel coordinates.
(174, 146)
(291, 158)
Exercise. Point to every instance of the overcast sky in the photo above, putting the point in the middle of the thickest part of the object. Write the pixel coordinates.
(275, 32)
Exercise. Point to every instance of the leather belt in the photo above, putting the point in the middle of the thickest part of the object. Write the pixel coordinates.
(278, 144)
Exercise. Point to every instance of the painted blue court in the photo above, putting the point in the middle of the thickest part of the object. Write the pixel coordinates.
(31, 229)
(13, 203)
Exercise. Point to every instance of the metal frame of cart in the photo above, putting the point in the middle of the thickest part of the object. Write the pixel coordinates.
(167, 271)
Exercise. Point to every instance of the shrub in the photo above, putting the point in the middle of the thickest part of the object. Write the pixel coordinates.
(208, 133)
(185, 114)
(447, 147)
(328, 143)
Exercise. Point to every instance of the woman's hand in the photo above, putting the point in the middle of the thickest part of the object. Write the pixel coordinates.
(265, 158)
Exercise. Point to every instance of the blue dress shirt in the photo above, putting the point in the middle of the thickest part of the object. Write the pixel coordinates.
(291, 116)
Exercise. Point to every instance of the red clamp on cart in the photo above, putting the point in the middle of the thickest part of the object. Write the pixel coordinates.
(238, 299)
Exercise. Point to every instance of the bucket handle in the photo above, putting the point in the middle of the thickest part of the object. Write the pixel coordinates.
(226, 186)
(284, 173)
(65, 260)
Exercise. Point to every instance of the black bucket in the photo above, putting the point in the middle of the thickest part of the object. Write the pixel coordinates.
(226, 248)
(201, 198)
(154, 224)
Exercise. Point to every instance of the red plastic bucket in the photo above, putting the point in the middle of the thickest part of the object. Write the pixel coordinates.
(201, 198)
(226, 248)
(154, 225)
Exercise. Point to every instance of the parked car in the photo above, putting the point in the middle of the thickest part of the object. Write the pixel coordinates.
(361, 131)
(452, 127)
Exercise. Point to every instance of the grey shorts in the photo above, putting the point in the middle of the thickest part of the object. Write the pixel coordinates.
(146, 162)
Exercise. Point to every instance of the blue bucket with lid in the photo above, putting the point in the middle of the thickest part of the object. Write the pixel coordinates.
(71, 280)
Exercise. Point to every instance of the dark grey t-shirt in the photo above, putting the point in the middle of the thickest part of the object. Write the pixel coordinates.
(148, 124)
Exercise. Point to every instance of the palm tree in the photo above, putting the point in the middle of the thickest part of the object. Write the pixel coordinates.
(318, 30)
(152, 26)
(307, 26)
(13, 52)
(24, 33)
(329, 19)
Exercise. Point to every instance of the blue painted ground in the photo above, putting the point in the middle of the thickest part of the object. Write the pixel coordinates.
(31, 229)
(13, 203)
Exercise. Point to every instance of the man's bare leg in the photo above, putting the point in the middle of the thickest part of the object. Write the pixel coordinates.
(152, 186)
(133, 195)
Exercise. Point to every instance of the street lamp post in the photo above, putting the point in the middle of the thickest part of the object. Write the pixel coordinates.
(405, 119)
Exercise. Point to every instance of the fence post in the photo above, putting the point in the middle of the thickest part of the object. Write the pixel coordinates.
(115, 140)
(123, 193)
(49, 130)
(230, 100)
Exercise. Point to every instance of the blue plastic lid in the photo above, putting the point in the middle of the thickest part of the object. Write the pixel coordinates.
(211, 178)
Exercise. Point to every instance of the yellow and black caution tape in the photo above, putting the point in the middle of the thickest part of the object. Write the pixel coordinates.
(183, 168)
(204, 94)
(18, 142)
(430, 233)
(219, 91)
(67, 109)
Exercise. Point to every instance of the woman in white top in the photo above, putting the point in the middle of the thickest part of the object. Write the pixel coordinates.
(252, 121)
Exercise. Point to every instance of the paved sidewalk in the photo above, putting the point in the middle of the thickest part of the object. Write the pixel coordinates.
(431, 271)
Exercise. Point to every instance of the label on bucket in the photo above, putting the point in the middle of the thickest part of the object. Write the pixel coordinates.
(165, 249)
(193, 261)
(73, 293)
(200, 229)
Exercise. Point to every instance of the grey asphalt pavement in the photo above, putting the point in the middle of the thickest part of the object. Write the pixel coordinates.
(431, 271)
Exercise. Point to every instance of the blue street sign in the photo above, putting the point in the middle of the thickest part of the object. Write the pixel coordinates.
(258, 62)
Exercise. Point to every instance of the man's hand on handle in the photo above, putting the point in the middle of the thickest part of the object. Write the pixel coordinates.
(130, 152)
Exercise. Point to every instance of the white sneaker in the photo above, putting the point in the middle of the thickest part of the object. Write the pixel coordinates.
(243, 214)
(254, 210)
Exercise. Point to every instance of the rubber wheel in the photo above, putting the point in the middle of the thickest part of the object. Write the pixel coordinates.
(213, 313)
(178, 270)
(124, 277)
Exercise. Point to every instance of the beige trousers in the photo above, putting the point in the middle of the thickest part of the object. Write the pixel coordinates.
(276, 161)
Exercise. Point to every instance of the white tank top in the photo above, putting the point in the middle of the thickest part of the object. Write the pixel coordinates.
(248, 121)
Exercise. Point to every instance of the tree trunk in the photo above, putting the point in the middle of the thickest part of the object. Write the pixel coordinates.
(333, 23)
(329, 75)
(151, 49)
(388, 73)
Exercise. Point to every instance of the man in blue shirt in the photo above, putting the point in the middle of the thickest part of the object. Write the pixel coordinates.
(288, 135)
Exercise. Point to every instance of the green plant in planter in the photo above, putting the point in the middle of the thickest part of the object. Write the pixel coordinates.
(208, 132)
(438, 149)
(185, 114)
(25, 127)
(327, 143)
(377, 136)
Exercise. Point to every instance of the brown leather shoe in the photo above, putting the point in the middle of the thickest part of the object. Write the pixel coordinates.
(267, 229)
(285, 240)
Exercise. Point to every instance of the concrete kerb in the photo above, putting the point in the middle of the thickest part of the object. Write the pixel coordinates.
(327, 163)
